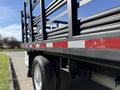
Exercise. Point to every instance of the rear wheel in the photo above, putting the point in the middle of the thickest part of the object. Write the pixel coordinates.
(43, 74)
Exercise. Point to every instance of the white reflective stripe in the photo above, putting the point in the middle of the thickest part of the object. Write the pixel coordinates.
(49, 44)
(37, 45)
(76, 44)
(30, 46)
(83, 2)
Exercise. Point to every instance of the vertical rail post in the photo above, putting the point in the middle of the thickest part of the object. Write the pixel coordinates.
(22, 26)
(73, 25)
(31, 20)
(43, 20)
(25, 21)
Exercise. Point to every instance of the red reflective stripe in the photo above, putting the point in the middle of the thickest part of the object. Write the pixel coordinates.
(43, 45)
(33, 45)
(62, 44)
(108, 43)
(111, 43)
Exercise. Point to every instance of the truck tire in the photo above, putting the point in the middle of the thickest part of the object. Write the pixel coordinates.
(43, 74)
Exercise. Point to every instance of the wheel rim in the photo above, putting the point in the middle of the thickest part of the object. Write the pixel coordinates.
(37, 78)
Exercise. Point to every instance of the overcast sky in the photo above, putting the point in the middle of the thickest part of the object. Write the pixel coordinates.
(10, 23)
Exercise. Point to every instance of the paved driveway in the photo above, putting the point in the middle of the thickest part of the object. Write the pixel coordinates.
(17, 58)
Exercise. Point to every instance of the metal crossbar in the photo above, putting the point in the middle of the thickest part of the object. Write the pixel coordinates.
(101, 15)
(57, 29)
(103, 22)
(57, 17)
(55, 7)
(58, 32)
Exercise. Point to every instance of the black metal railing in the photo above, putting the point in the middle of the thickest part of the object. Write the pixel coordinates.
(41, 27)
(102, 22)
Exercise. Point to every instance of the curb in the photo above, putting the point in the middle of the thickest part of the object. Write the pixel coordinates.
(11, 79)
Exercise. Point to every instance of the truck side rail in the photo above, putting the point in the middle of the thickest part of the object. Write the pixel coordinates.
(101, 22)
(48, 23)
(41, 27)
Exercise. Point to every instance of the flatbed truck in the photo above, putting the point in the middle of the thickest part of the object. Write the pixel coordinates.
(72, 53)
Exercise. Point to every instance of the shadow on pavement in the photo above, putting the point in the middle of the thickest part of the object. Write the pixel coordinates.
(79, 83)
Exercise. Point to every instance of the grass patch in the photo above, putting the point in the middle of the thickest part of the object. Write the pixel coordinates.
(4, 72)
(1, 50)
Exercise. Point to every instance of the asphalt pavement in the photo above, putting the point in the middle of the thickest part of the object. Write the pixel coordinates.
(19, 70)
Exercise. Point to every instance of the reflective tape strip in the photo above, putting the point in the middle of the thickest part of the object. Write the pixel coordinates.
(60, 44)
(43, 45)
(49, 45)
(76, 44)
(109, 43)
(30, 46)
(37, 45)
